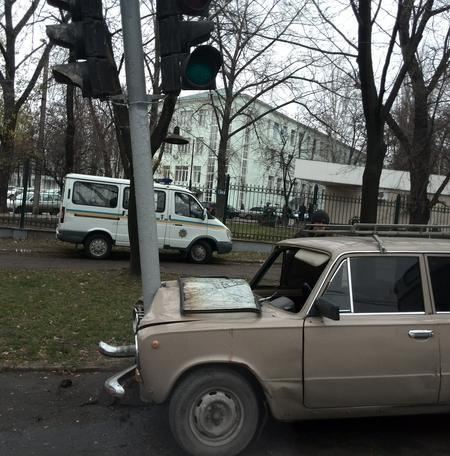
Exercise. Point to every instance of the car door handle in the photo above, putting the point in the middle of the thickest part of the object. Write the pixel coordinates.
(420, 333)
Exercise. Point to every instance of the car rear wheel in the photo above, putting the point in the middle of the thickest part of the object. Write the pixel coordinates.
(214, 412)
(200, 252)
(98, 246)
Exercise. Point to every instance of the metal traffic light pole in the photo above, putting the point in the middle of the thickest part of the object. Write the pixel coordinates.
(141, 150)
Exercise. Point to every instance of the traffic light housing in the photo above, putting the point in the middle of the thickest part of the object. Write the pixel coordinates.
(88, 37)
(180, 69)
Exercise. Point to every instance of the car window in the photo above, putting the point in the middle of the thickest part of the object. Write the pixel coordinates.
(440, 274)
(378, 285)
(187, 206)
(338, 290)
(384, 284)
(289, 271)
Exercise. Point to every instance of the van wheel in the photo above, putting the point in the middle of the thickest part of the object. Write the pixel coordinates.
(98, 246)
(200, 252)
(214, 412)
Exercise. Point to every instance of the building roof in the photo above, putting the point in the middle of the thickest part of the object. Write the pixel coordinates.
(351, 175)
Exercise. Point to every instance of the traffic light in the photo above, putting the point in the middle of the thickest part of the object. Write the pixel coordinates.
(181, 69)
(88, 37)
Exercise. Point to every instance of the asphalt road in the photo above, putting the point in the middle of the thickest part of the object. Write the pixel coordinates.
(75, 260)
(41, 417)
(50, 413)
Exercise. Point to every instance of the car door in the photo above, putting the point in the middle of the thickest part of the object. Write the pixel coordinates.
(186, 221)
(383, 351)
(439, 273)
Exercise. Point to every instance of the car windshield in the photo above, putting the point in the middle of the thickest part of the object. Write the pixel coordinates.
(289, 273)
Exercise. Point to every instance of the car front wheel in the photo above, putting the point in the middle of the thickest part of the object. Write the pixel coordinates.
(214, 412)
(98, 246)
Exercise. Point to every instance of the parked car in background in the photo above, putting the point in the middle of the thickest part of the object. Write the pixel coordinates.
(231, 212)
(49, 202)
(329, 327)
(261, 213)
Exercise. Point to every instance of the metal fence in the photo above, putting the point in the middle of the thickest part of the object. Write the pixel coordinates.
(260, 213)
(265, 214)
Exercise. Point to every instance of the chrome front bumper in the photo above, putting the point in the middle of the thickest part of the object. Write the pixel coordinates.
(114, 384)
(121, 351)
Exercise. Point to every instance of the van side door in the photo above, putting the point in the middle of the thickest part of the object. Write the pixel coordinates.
(160, 213)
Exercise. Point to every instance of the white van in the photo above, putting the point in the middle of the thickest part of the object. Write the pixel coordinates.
(94, 212)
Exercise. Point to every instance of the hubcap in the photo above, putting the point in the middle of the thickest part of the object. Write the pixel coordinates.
(217, 416)
(198, 252)
(98, 247)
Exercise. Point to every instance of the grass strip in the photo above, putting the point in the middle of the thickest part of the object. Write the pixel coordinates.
(58, 317)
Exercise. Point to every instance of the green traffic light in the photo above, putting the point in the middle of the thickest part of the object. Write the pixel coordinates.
(200, 73)
(201, 67)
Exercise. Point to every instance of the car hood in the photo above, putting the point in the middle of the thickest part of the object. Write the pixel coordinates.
(217, 301)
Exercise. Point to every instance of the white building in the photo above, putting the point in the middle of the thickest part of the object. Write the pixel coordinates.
(255, 152)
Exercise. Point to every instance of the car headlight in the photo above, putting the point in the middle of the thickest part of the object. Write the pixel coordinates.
(229, 236)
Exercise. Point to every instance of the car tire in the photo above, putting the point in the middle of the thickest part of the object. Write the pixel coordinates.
(98, 246)
(200, 252)
(214, 412)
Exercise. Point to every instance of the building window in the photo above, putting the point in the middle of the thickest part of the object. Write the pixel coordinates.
(276, 130)
(183, 148)
(279, 182)
(181, 173)
(199, 146)
(293, 135)
(197, 174)
(202, 117)
(213, 137)
(165, 171)
(185, 118)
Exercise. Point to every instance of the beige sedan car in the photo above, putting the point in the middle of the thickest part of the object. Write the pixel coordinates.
(329, 327)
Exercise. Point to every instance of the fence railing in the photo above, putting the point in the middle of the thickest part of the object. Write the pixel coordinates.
(260, 213)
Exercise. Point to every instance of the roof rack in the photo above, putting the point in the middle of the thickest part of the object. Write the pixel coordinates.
(378, 229)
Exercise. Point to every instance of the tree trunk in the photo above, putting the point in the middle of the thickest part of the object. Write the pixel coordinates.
(376, 150)
(70, 131)
(40, 154)
(222, 157)
(372, 105)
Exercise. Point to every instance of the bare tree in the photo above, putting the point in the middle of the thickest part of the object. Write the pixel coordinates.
(15, 23)
(427, 76)
(380, 68)
(247, 33)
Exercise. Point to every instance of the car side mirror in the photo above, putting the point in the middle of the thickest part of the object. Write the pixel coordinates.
(324, 308)
(205, 213)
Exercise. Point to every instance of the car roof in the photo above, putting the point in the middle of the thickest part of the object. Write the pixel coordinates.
(338, 245)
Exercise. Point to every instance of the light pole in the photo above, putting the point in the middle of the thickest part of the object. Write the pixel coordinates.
(140, 145)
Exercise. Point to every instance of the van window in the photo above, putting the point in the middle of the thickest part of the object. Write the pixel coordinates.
(187, 206)
(160, 200)
(126, 198)
(95, 194)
